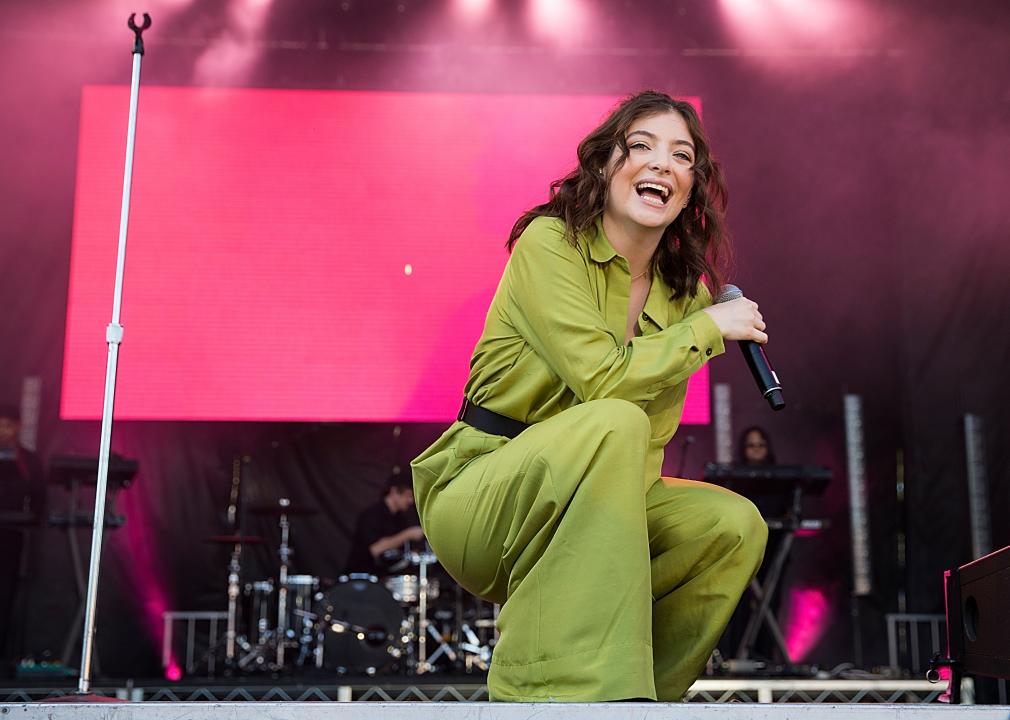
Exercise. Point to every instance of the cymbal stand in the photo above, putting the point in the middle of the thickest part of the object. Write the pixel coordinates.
(234, 572)
(307, 639)
(234, 565)
(476, 654)
(422, 620)
(425, 626)
(474, 649)
(285, 553)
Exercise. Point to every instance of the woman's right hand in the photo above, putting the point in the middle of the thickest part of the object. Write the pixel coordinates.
(738, 320)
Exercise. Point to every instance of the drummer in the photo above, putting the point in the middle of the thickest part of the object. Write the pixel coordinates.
(384, 528)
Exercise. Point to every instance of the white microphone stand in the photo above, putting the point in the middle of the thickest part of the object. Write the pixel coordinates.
(113, 336)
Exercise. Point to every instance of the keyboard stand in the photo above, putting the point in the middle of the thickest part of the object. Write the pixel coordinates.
(762, 594)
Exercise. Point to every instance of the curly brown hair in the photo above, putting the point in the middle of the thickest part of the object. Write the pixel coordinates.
(695, 245)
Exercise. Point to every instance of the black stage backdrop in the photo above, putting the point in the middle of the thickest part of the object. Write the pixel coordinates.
(868, 208)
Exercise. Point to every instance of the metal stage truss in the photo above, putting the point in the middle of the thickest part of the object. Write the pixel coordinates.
(708, 691)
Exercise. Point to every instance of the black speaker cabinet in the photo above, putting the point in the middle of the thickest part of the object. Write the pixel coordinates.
(978, 615)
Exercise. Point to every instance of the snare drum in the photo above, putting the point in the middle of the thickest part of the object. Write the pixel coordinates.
(258, 608)
(407, 588)
(301, 591)
(362, 625)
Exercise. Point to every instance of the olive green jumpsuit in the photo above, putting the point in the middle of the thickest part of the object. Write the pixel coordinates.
(614, 583)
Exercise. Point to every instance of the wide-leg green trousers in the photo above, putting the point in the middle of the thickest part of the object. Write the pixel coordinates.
(611, 587)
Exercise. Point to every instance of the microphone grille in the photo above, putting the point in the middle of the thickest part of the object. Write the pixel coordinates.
(729, 292)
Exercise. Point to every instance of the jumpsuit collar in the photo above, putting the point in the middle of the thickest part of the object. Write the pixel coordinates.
(657, 304)
(600, 249)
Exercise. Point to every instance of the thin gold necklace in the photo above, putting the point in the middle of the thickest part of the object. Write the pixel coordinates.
(641, 274)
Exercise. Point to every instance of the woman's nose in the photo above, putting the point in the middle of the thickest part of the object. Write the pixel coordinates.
(659, 163)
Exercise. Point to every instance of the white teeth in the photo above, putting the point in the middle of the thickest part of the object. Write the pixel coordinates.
(660, 188)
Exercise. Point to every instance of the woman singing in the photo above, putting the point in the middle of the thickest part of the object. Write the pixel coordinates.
(546, 495)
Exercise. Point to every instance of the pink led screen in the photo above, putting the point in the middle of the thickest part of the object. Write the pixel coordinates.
(303, 255)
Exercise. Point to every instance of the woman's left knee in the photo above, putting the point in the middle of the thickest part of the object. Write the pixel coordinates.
(742, 525)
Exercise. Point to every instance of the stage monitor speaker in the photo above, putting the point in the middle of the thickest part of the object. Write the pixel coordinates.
(978, 615)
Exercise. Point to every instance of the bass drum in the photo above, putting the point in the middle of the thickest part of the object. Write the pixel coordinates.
(361, 626)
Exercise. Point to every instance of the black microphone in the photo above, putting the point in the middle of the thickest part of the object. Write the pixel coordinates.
(754, 353)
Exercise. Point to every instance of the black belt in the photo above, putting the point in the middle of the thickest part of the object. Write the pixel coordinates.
(489, 421)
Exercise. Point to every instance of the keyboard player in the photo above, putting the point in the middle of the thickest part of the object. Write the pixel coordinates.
(22, 494)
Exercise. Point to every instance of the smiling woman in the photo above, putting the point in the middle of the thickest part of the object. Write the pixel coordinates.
(546, 494)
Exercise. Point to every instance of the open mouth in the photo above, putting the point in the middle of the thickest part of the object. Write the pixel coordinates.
(653, 193)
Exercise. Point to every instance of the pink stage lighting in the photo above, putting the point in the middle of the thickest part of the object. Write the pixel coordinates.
(813, 18)
(746, 11)
(774, 25)
(230, 58)
(473, 9)
(564, 21)
(173, 672)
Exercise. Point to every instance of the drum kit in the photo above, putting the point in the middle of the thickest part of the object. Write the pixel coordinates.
(415, 620)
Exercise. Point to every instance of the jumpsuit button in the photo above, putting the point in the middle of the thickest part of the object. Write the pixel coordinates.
(708, 351)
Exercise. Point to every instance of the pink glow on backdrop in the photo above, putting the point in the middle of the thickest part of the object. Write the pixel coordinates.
(303, 255)
(143, 565)
(807, 621)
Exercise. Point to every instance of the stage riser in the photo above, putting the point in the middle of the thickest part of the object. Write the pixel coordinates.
(489, 711)
(749, 690)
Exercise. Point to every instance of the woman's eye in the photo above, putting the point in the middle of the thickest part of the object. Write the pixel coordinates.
(639, 146)
(683, 157)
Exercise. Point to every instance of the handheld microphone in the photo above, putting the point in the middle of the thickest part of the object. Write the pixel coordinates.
(754, 353)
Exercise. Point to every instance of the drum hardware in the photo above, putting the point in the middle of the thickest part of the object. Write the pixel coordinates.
(475, 654)
(257, 613)
(234, 566)
(307, 645)
(257, 645)
(283, 506)
(234, 570)
(455, 633)
(410, 621)
(282, 591)
(444, 648)
(301, 591)
(425, 627)
(231, 637)
(282, 509)
(255, 656)
(477, 633)
(236, 539)
(295, 623)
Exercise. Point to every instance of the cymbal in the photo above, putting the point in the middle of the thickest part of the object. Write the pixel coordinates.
(233, 539)
(278, 509)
